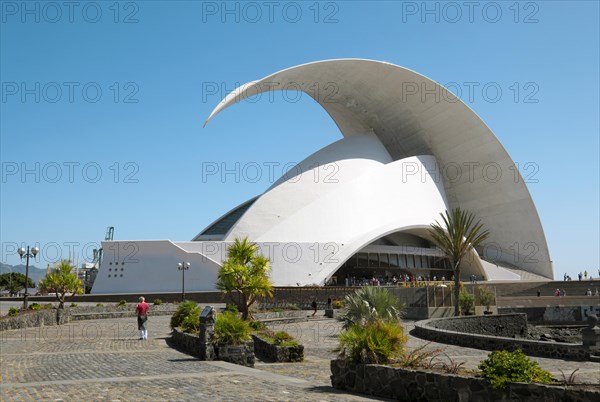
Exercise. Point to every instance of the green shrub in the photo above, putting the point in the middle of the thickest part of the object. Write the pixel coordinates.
(231, 329)
(277, 310)
(191, 323)
(157, 302)
(370, 304)
(73, 304)
(35, 306)
(232, 308)
(13, 311)
(282, 338)
(47, 306)
(257, 325)
(376, 342)
(99, 305)
(502, 367)
(486, 297)
(122, 303)
(184, 309)
(466, 302)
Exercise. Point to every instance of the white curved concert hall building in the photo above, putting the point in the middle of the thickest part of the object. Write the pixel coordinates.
(410, 150)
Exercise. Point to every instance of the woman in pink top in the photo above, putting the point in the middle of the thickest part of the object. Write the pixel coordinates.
(142, 317)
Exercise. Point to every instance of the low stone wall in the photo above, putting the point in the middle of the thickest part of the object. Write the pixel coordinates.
(238, 354)
(33, 318)
(287, 316)
(96, 313)
(187, 343)
(509, 325)
(278, 354)
(44, 317)
(242, 355)
(555, 314)
(414, 385)
(467, 332)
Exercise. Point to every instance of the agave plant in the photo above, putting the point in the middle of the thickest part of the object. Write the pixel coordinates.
(370, 304)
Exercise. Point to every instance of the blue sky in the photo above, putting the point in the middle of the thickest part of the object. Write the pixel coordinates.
(103, 104)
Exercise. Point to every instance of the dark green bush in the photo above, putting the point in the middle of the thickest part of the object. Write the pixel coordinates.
(282, 338)
(35, 306)
(232, 308)
(502, 367)
(157, 302)
(257, 325)
(191, 323)
(122, 303)
(13, 311)
(184, 309)
(73, 304)
(231, 329)
(99, 305)
(376, 342)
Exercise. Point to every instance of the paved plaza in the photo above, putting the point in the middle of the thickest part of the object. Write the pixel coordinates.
(102, 360)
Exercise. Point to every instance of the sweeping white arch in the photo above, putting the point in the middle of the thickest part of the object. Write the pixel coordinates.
(412, 115)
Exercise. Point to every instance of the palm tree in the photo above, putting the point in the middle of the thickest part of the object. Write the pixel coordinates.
(245, 276)
(61, 281)
(456, 237)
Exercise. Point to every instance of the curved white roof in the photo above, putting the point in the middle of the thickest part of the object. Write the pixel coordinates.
(412, 115)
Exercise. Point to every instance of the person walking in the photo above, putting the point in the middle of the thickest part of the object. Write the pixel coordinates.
(142, 317)
(314, 306)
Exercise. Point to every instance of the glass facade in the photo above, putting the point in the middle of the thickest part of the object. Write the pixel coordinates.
(365, 266)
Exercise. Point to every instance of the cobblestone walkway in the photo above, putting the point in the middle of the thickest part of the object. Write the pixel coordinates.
(319, 340)
(103, 360)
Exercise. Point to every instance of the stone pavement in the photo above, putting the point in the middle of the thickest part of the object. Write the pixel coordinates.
(102, 360)
(319, 339)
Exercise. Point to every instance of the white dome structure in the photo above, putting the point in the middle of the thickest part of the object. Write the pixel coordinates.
(410, 151)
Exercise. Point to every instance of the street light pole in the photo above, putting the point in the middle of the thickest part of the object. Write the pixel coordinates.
(27, 254)
(183, 266)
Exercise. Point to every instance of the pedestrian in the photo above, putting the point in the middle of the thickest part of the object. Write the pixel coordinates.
(314, 306)
(563, 293)
(539, 293)
(585, 274)
(579, 275)
(142, 317)
(557, 292)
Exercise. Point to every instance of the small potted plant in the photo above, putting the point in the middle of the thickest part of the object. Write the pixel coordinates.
(486, 298)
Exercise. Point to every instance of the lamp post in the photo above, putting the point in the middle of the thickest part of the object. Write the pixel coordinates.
(183, 266)
(26, 254)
